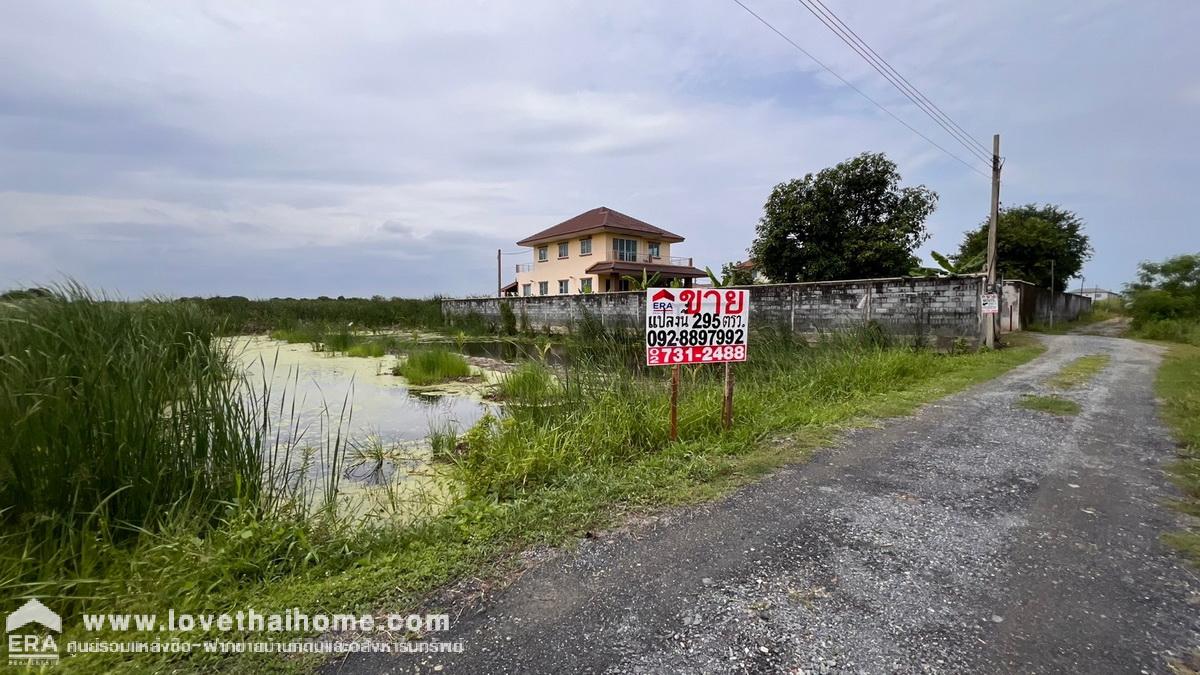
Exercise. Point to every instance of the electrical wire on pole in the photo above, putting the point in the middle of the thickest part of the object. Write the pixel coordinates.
(885, 69)
(860, 92)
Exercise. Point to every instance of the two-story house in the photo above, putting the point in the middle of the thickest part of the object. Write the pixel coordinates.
(594, 252)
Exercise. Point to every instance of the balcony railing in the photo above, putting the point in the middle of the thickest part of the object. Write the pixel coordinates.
(645, 258)
(619, 255)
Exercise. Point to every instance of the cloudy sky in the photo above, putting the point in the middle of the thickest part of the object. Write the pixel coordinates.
(355, 148)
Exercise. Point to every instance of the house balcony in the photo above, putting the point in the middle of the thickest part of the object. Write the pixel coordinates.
(524, 267)
(621, 262)
(618, 255)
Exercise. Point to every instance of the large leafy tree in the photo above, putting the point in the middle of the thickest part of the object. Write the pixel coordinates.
(849, 221)
(1028, 239)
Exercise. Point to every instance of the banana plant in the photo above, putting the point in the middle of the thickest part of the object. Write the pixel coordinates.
(948, 268)
(647, 281)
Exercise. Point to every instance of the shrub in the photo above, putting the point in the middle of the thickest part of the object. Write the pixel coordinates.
(508, 320)
(1171, 330)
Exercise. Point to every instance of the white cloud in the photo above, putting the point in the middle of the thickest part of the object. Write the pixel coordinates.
(326, 129)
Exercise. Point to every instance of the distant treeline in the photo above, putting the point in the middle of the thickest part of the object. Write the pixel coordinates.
(256, 316)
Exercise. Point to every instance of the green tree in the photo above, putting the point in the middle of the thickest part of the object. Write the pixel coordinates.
(849, 221)
(733, 274)
(1028, 239)
(1166, 290)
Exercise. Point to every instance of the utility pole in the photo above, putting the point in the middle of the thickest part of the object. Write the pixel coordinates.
(989, 328)
(499, 284)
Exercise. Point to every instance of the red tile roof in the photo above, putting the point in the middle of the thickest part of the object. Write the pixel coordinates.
(602, 218)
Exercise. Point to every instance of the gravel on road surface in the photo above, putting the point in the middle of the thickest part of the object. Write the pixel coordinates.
(975, 536)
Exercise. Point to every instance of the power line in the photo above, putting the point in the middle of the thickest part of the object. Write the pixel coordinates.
(943, 113)
(889, 73)
(846, 82)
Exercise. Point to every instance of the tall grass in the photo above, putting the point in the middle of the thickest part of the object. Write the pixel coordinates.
(123, 420)
(1186, 331)
(612, 416)
(530, 383)
(431, 366)
(117, 418)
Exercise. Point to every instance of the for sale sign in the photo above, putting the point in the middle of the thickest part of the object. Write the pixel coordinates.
(991, 303)
(696, 325)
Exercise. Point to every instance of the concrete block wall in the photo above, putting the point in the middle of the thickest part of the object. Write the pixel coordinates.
(1023, 304)
(939, 311)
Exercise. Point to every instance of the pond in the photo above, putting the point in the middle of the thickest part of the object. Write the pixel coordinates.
(314, 396)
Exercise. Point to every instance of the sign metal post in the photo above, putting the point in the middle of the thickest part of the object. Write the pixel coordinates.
(674, 403)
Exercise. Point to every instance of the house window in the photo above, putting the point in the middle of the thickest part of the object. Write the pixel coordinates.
(562, 250)
(625, 249)
(564, 286)
(585, 246)
(654, 249)
(624, 284)
(543, 288)
(543, 253)
(527, 289)
(585, 285)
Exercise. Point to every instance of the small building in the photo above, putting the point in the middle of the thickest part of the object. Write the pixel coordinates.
(595, 251)
(1098, 294)
(751, 267)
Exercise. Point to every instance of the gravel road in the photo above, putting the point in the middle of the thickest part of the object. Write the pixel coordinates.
(976, 536)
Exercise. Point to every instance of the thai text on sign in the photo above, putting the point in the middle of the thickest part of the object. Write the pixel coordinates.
(696, 325)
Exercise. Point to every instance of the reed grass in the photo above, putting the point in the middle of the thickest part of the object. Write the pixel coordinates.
(431, 366)
(531, 383)
(122, 421)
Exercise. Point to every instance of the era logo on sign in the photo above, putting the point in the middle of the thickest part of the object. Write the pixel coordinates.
(28, 648)
(663, 302)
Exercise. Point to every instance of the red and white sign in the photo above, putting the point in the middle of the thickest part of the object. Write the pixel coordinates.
(696, 325)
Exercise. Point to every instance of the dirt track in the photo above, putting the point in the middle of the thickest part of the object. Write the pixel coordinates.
(975, 536)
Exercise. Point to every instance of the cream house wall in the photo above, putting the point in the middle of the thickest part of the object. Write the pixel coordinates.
(573, 268)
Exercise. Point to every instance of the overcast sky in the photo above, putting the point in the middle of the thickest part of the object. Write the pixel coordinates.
(351, 148)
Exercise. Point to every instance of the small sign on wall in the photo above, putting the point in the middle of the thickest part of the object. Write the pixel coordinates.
(991, 303)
